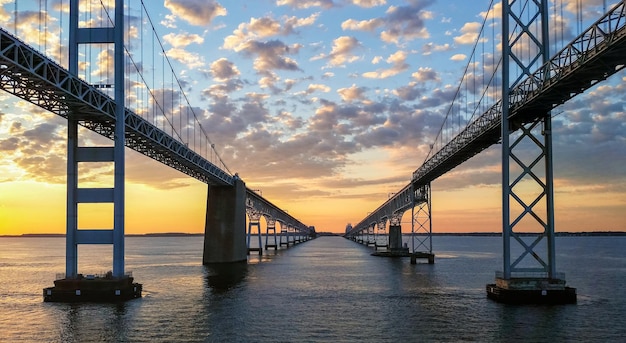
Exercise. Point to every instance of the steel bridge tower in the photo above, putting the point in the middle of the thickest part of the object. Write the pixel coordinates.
(115, 285)
(529, 271)
(77, 154)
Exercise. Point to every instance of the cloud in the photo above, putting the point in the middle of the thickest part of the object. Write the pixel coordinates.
(406, 23)
(399, 65)
(182, 40)
(223, 70)
(458, 57)
(189, 59)
(368, 3)
(469, 34)
(38, 151)
(304, 4)
(425, 75)
(363, 25)
(429, 48)
(342, 52)
(352, 93)
(399, 24)
(196, 12)
(416, 88)
(315, 87)
(265, 27)
(270, 55)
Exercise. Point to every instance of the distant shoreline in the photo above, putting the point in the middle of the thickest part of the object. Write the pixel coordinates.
(475, 234)
(165, 234)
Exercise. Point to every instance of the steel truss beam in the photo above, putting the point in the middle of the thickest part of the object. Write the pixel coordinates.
(255, 202)
(33, 77)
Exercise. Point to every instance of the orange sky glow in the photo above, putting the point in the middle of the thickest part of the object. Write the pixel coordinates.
(325, 114)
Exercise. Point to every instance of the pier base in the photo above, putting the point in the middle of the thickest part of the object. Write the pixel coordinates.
(531, 291)
(393, 253)
(429, 256)
(92, 288)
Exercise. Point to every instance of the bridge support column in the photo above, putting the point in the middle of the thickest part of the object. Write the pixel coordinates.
(371, 235)
(225, 227)
(395, 238)
(421, 225)
(254, 220)
(529, 273)
(381, 235)
(291, 235)
(270, 231)
(284, 233)
(115, 285)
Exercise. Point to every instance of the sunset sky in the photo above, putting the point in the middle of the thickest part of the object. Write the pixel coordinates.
(326, 107)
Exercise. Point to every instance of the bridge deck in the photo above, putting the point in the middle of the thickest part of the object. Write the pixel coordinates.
(30, 75)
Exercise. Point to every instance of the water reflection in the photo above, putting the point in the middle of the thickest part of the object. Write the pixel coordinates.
(83, 322)
(224, 276)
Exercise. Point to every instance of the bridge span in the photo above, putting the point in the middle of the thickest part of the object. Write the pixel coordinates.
(593, 56)
(32, 76)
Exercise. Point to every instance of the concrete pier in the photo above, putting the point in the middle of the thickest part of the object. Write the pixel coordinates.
(225, 227)
(529, 290)
(395, 238)
(93, 288)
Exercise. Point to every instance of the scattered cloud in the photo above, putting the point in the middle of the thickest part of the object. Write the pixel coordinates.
(196, 12)
(399, 65)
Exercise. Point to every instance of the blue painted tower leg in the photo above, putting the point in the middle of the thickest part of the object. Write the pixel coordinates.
(115, 285)
(225, 227)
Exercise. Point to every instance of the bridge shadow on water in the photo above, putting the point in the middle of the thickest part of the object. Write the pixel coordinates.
(224, 276)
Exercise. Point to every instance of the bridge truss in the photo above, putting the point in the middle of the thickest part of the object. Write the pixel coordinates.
(32, 76)
(593, 56)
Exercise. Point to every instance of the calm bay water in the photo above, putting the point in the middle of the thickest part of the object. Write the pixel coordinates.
(326, 290)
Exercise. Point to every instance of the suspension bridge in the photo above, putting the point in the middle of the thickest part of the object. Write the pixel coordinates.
(32, 76)
(514, 110)
(522, 117)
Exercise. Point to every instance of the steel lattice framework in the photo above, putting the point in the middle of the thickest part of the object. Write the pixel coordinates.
(593, 56)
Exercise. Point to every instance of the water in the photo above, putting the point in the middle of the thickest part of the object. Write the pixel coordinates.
(326, 290)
